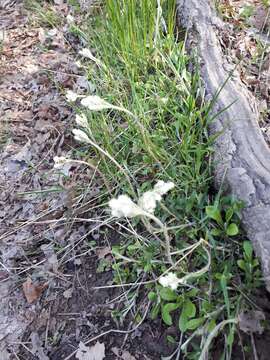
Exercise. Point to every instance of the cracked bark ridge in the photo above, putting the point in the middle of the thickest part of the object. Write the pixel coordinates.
(242, 157)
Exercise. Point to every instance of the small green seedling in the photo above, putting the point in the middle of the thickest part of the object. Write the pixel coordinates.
(249, 265)
(225, 213)
(166, 301)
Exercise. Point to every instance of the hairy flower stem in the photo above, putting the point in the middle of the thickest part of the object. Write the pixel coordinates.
(113, 160)
(166, 236)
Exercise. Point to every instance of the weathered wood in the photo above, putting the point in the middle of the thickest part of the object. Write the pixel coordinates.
(241, 153)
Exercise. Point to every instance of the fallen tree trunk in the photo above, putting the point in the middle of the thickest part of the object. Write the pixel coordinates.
(242, 157)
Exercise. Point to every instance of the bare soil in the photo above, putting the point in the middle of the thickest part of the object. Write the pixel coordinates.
(49, 256)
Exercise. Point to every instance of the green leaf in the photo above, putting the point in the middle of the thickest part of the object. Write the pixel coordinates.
(248, 249)
(188, 311)
(213, 213)
(241, 263)
(192, 292)
(255, 262)
(216, 232)
(183, 320)
(155, 311)
(166, 310)
(232, 230)
(212, 324)
(194, 323)
(229, 214)
(152, 296)
(167, 294)
(171, 339)
(189, 308)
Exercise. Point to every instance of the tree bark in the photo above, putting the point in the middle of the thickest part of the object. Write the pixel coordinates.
(241, 157)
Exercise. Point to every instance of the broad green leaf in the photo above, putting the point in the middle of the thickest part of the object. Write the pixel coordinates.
(241, 264)
(248, 249)
(189, 308)
(152, 296)
(232, 230)
(183, 320)
(167, 294)
(194, 323)
(213, 213)
(188, 311)
(229, 214)
(166, 310)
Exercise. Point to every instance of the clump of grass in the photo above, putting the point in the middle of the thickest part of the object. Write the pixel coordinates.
(157, 129)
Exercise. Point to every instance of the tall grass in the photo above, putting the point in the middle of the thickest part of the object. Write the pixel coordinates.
(168, 140)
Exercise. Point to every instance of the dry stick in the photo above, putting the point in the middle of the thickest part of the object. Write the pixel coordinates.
(254, 347)
(112, 331)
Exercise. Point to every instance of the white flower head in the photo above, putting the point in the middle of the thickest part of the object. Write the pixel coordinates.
(170, 280)
(71, 96)
(164, 100)
(59, 161)
(95, 103)
(80, 135)
(70, 19)
(87, 54)
(123, 206)
(148, 201)
(162, 187)
(81, 120)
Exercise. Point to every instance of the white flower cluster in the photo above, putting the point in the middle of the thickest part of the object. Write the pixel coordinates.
(87, 54)
(81, 120)
(59, 161)
(80, 135)
(92, 102)
(71, 96)
(148, 201)
(95, 103)
(170, 280)
(123, 206)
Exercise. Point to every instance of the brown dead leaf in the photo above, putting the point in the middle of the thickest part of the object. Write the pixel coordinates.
(32, 291)
(103, 252)
(95, 352)
(122, 354)
(250, 321)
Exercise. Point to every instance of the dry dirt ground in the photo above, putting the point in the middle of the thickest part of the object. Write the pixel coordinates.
(49, 256)
(53, 239)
